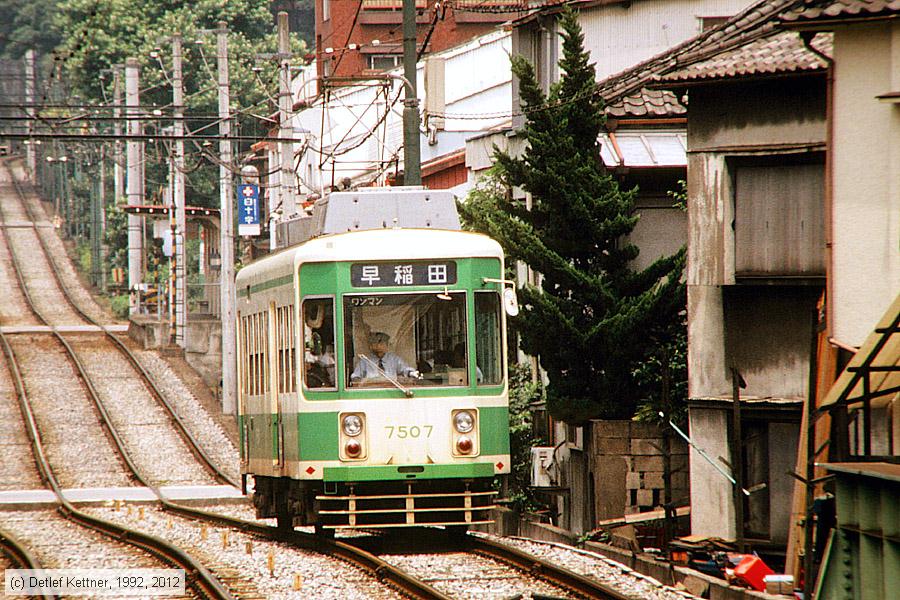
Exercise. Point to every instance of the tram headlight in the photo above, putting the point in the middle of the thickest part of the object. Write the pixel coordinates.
(352, 425)
(464, 421)
(464, 434)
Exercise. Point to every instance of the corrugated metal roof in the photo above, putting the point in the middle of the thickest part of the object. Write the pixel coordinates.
(841, 10)
(778, 53)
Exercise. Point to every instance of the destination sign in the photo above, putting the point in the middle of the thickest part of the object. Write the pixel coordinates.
(397, 274)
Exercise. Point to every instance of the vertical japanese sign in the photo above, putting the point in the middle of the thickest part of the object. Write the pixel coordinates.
(248, 205)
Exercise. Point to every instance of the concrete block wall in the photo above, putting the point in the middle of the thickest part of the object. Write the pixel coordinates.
(627, 463)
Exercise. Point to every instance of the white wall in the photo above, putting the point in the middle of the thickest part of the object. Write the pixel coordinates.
(619, 36)
(712, 509)
(478, 94)
(866, 178)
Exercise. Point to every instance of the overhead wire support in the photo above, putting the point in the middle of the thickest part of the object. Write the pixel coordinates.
(412, 173)
(285, 106)
(178, 196)
(226, 234)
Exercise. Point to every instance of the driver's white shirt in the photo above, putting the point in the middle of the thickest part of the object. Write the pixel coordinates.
(390, 363)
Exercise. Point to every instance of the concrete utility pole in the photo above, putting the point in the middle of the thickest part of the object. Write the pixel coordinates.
(135, 189)
(104, 248)
(29, 103)
(285, 105)
(118, 171)
(95, 225)
(178, 197)
(229, 362)
(412, 170)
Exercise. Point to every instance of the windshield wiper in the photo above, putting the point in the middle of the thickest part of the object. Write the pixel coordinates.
(406, 391)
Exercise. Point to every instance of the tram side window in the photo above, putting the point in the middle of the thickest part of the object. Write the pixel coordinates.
(488, 338)
(284, 345)
(254, 354)
(318, 342)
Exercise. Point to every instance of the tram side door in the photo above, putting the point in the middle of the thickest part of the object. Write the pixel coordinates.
(275, 332)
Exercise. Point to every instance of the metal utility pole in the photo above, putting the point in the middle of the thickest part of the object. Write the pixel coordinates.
(285, 105)
(178, 197)
(135, 190)
(412, 170)
(226, 282)
(118, 171)
(29, 103)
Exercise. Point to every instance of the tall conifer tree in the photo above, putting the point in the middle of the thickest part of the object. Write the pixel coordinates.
(593, 319)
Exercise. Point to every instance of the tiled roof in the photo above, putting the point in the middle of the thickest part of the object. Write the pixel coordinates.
(842, 10)
(756, 23)
(777, 53)
(646, 103)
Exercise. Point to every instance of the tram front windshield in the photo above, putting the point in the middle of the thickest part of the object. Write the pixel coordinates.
(412, 339)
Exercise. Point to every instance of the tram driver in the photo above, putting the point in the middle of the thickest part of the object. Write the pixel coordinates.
(381, 363)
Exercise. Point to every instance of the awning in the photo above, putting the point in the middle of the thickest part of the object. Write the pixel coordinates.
(873, 373)
(644, 148)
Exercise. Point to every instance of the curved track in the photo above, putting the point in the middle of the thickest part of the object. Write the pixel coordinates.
(206, 584)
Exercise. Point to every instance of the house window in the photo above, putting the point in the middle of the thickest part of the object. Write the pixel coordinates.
(384, 62)
(326, 10)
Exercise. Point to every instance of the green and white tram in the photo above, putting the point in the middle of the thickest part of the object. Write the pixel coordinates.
(371, 367)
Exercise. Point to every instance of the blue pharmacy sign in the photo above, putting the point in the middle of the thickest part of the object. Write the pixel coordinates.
(248, 209)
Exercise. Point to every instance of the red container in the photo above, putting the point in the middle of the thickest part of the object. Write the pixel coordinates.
(752, 571)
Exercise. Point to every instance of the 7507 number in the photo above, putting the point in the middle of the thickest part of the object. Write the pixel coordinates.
(408, 431)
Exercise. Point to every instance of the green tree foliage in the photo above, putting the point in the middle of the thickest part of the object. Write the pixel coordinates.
(27, 25)
(523, 393)
(662, 380)
(662, 376)
(594, 318)
(99, 34)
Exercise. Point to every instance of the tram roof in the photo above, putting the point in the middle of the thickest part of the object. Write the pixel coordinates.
(374, 245)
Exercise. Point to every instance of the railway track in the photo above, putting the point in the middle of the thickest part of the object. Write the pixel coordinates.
(485, 567)
(16, 554)
(225, 580)
(199, 578)
(206, 584)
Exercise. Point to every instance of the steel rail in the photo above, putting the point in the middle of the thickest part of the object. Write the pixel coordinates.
(374, 566)
(20, 556)
(542, 569)
(17, 552)
(193, 445)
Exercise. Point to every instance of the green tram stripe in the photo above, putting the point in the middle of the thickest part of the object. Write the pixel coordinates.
(385, 473)
(266, 285)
